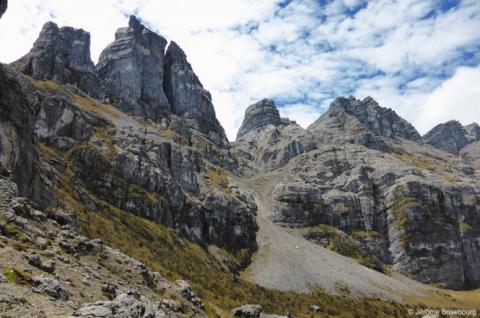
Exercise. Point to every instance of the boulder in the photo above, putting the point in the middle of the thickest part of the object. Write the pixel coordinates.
(50, 287)
(250, 310)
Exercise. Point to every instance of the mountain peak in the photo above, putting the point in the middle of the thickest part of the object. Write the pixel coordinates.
(132, 70)
(367, 114)
(62, 55)
(258, 116)
(451, 136)
(135, 23)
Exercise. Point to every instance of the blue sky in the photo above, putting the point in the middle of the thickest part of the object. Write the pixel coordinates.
(419, 57)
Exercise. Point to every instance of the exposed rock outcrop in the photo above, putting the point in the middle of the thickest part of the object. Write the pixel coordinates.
(77, 286)
(266, 141)
(452, 136)
(132, 71)
(258, 116)
(18, 151)
(188, 97)
(62, 55)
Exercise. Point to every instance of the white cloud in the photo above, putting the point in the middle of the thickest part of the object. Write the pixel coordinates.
(302, 54)
(457, 98)
(303, 114)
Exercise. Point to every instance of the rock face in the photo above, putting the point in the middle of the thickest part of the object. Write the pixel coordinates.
(473, 132)
(62, 55)
(188, 97)
(132, 70)
(366, 188)
(3, 7)
(471, 154)
(266, 141)
(88, 263)
(18, 152)
(175, 170)
(362, 121)
(452, 136)
(258, 116)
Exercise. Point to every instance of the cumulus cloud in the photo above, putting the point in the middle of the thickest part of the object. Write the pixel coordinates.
(301, 53)
(456, 98)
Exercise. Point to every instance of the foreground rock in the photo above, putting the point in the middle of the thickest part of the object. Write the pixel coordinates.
(253, 311)
(76, 285)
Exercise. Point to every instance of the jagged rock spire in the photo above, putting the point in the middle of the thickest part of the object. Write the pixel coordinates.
(132, 69)
(187, 96)
(62, 55)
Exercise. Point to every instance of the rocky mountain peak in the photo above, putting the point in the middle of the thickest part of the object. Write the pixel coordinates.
(260, 115)
(62, 55)
(451, 136)
(132, 69)
(351, 113)
(187, 96)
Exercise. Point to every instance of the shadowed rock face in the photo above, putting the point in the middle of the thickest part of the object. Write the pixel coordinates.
(188, 97)
(452, 136)
(18, 151)
(62, 55)
(3, 7)
(131, 69)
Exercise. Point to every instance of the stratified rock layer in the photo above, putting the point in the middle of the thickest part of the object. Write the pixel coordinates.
(62, 55)
(131, 69)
